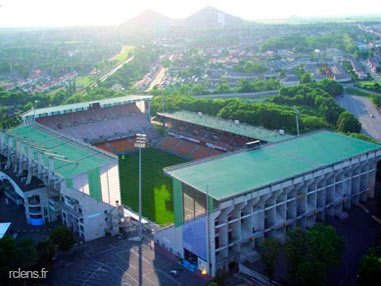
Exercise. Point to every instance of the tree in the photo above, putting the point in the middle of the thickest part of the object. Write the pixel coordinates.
(370, 267)
(269, 251)
(26, 255)
(13, 255)
(311, 252)
(296, 248)
(348, 123)
(363, 137)
(45, 251)
(306, 78)
(8, 250)
(63, 237)
(334, 88)
(325, 244)
(376, 100)
(223, 87)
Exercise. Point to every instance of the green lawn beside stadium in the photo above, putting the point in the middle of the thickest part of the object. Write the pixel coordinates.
(157, 200)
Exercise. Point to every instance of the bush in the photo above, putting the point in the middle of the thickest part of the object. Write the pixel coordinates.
(348, 123)
(62, 237)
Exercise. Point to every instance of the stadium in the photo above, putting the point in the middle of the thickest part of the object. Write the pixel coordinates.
(77, 163)
(225, 186)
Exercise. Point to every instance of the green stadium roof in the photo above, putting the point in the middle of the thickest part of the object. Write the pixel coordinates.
(40, 112)
(230, 126)
(71, 158)
(230, 175)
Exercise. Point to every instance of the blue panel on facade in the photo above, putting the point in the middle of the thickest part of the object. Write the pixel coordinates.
(36, 221)
(194, 237)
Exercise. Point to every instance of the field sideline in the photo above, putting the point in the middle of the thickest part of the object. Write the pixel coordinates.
(156, 188)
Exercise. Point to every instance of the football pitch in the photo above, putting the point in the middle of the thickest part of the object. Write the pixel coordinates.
(157, 200)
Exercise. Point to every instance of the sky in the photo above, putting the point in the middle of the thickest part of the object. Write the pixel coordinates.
(53, 13)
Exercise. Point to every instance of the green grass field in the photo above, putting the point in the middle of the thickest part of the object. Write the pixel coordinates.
(123, 55)
(354, 91)
(157, 201)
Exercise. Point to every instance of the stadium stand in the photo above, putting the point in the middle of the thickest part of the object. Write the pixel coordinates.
(167, 143)
(185, 148)
(99, 125)
(106, 146)
(213, 129)
(123, 145)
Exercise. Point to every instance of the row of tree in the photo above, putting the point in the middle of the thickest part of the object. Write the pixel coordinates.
(309, 253)
(242, 86)
(370, 267)
(315, 102)
(302, 43)
(29, 255)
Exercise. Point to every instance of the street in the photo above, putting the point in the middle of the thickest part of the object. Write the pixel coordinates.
(366, 113)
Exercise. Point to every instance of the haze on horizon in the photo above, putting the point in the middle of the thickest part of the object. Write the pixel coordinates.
(48, 13)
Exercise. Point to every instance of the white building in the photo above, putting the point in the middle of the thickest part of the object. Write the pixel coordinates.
(80, 182)
(225, 205)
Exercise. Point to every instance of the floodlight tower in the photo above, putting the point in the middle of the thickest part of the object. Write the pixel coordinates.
(297, 120)
(140, 143)
(34, 110)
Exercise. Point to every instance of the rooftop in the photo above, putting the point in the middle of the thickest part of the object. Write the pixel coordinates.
(40, 112)
(34, 184)
(4, 226)
(229, 175)
(230, 126)
(70, 157)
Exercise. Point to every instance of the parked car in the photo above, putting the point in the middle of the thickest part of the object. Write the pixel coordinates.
(174, 273)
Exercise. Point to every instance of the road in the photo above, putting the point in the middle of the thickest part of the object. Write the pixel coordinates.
(157, 80)
(363, 108)
(106, 76)
(110, 73)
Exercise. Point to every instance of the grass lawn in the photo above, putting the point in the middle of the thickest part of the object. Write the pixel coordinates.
(368, 84)
(123, 55)
(354, 91)
(156, 188)
(86, 80)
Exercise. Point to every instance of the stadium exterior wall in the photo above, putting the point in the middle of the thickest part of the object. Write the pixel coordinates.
(239, 223)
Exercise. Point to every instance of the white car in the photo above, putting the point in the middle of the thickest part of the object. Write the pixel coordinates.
(174, 273)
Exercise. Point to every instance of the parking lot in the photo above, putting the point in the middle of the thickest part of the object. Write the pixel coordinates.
(106, 261)
(114, 261)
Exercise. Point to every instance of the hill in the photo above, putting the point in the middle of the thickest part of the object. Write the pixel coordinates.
(212, 18)
(148, 21)
(207, 18)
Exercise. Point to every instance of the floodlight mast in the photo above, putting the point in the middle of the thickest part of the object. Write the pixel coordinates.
(140, 143)
(34, 110)
(297, 120)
